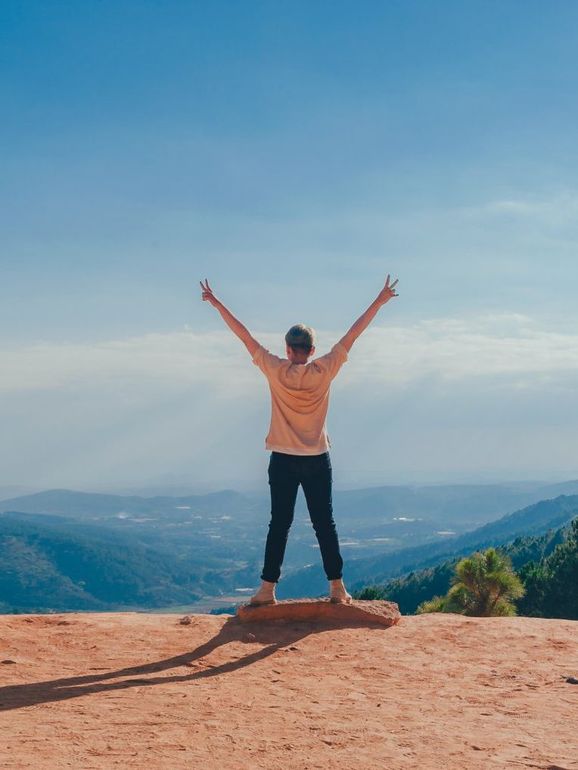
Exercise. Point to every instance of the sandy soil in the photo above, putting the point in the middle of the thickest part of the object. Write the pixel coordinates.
(142, 691)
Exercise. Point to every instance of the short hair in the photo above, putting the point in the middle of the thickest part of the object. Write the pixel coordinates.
(300, 337)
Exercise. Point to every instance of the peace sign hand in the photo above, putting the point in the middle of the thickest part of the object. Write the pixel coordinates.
(388, 291)
(208, 295)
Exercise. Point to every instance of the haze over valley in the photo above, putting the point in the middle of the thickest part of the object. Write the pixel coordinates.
(205, 551)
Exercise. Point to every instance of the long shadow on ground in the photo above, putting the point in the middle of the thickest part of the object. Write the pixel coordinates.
(275, 636)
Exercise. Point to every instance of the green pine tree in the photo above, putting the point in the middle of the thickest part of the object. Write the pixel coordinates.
(484, 585)
(561, 590)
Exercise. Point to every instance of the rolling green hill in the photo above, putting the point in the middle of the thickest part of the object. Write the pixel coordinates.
(535, 519)
(224, 532)
(50, 562)
(422, 585)
(49, 565)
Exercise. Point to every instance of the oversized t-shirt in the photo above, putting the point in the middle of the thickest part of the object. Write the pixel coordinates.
(299, 400)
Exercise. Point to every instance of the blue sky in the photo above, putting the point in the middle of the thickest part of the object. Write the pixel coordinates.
(294, 153)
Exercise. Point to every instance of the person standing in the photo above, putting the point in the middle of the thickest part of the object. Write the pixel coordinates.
(298, 440)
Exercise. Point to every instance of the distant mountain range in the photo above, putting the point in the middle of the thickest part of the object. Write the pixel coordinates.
(91, 506)
(465, 506)
(533, 520)
(422, 585)
(230, 528)
(72, 550)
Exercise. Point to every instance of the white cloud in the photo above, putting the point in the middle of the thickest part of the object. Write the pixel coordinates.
(557, 210)
(447, 397)
(506, 345)
(157, 361)
(447, 348)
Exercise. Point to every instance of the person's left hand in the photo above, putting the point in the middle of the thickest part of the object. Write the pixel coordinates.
(208, 295)
(388, 291)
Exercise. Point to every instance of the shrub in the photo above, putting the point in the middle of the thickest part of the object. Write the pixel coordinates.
(484, 585)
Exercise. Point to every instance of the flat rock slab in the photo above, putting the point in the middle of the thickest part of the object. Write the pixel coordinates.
(361, 612)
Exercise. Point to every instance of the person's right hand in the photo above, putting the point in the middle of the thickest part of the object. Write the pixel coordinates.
(208, 295)
(387, 292)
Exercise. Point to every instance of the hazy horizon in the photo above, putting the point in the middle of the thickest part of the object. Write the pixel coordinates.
(260, 487)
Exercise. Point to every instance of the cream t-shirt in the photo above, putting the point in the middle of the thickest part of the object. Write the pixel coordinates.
(299, 400)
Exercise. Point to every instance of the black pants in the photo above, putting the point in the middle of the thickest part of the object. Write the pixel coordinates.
(313, 472)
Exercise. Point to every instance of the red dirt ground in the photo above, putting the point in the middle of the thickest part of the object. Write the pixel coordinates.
(142, 691)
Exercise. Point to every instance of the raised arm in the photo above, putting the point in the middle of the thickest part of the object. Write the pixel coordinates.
(366, 318)
(233, 323)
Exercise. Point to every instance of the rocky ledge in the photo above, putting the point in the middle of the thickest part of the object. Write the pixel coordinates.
(357, 612)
